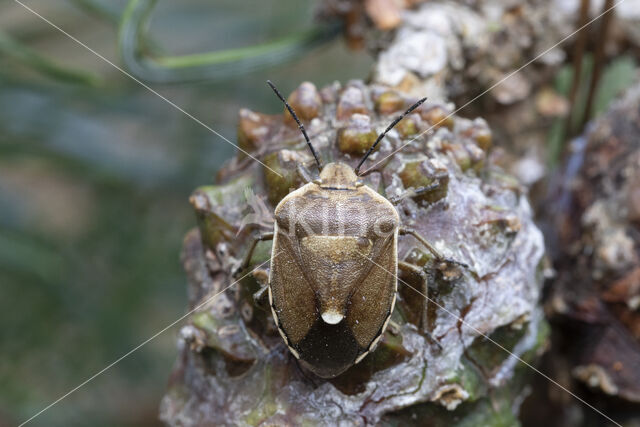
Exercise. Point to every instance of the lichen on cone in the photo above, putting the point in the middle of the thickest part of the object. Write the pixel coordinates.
(233, 366)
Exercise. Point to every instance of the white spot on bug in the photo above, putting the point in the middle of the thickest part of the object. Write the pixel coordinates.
(332, 317)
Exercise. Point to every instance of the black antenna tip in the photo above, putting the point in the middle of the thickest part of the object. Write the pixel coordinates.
(416, 105)
(395, 122)
(300, 125)
(277, 92)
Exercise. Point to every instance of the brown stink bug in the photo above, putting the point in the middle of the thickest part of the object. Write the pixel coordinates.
(332, 282)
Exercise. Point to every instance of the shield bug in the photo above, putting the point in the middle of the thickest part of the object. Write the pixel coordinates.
(332, 281)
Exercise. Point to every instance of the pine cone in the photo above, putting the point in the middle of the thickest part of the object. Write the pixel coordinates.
(235, 369)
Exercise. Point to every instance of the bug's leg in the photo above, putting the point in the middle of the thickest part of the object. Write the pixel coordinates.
(424, 312)
(413, 192)
(414, 269)
(439, 257)
(260, 298)
(405, 231)
(252, 247)
(394, 328)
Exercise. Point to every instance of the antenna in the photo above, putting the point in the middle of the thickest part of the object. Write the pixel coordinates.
(295, 117)
(382, 135)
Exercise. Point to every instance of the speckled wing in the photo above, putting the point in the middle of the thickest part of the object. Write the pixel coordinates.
(372, 302)
(292, 298)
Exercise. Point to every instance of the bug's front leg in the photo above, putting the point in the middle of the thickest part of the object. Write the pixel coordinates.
(403, 231)
(261, 275)
(413, 192)
(417, 270)
(247, 258)
(260, 297)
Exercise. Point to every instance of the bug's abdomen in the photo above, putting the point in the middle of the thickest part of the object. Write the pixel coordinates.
(328, 350)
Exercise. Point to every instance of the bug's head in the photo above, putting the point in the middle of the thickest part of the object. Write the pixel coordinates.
(338, 176)
(336, 169)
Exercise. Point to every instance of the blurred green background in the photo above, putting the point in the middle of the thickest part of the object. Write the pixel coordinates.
(95, 173)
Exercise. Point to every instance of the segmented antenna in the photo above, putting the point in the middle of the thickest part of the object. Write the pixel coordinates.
(300, 126)
(382, 135)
